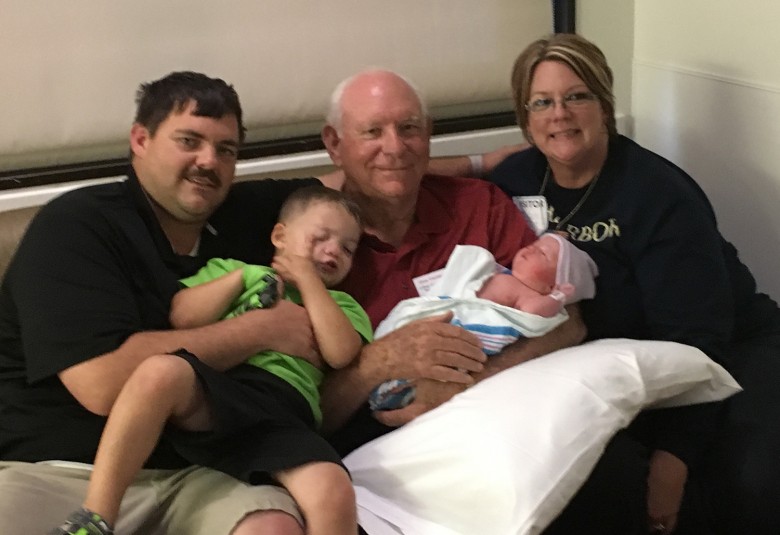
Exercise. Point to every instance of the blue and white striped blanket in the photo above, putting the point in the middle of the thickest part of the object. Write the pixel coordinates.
(495, 325)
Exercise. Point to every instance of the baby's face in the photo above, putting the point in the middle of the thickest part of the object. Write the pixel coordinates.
(536, 264)
(326, 234)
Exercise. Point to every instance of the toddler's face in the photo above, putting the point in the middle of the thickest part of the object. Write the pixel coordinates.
(536, 264)
(326, 234)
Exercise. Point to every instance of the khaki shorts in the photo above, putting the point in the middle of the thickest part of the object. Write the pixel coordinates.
(35, 498)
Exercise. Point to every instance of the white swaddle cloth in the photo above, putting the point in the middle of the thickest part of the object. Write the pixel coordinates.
(466, 271)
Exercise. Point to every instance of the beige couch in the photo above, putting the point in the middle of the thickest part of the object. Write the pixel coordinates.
(13, 223)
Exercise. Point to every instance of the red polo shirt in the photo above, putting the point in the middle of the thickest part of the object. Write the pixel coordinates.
(450, 211)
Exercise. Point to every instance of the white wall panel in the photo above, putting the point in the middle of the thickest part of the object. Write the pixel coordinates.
(706, 94)
(734, 39)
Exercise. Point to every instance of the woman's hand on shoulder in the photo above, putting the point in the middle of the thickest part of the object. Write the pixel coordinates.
(490, 160)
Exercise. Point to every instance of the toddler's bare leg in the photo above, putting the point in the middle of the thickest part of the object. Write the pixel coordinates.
(162, 388)
(325, 496)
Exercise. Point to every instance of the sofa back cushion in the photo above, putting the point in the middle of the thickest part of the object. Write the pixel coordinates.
(13, 224)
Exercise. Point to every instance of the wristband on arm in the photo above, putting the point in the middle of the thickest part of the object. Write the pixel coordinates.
(477, 165)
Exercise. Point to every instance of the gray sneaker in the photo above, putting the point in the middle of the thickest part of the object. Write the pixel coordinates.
(83, 522)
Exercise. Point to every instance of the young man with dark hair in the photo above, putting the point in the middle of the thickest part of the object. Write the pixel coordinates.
(86, 300)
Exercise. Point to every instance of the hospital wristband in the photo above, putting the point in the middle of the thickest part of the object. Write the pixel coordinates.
(477, 165)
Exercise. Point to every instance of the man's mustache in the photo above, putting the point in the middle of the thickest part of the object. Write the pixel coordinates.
(209, 174)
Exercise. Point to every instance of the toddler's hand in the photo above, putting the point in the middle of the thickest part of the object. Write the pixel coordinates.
(294, 268)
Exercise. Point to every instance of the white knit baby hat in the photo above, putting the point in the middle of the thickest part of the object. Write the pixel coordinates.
(575, 267)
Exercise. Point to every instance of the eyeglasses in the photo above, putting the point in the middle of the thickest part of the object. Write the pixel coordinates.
(572, 100)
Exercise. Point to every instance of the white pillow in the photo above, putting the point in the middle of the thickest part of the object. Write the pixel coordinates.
(505, 456)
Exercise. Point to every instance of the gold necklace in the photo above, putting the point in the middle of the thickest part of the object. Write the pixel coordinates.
(579, 204)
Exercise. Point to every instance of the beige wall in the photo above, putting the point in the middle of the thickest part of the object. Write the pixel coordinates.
(704, 91)
(610, 24)
(69, 70)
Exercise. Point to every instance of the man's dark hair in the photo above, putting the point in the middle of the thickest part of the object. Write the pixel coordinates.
(213, 97)
(302, 198)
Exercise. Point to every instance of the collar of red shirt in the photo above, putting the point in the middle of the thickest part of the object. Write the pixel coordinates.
(432, 216)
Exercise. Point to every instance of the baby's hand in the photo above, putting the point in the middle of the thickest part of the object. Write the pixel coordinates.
(562, 293)
(566, 289)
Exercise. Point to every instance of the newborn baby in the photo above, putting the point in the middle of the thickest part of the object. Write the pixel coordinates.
(497, 304)
(544, 276)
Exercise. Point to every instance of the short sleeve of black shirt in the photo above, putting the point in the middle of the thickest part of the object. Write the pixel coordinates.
(86, 276)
